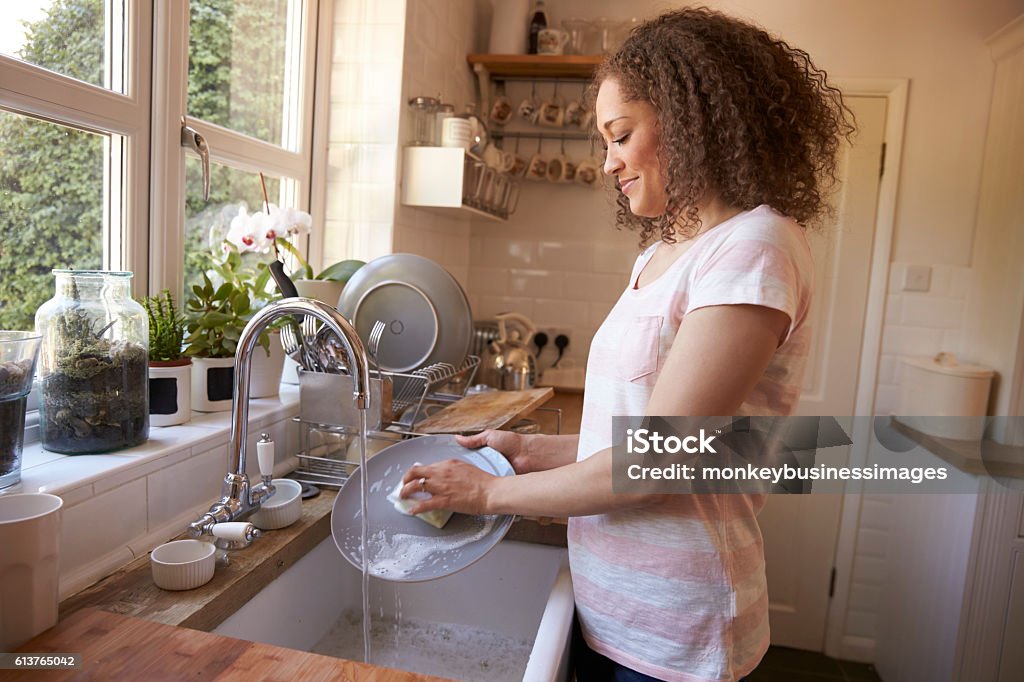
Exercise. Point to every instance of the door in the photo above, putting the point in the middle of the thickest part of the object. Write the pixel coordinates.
(800, 531)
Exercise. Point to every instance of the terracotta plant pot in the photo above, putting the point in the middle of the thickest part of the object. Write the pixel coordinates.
(170, 392)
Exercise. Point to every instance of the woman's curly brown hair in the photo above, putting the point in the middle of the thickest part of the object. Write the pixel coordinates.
(740, 113)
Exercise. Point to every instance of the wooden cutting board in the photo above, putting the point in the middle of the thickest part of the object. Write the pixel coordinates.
(117, 647)
(480, 411)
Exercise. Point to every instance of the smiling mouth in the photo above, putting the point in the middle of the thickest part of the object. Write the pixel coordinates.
(624, 185)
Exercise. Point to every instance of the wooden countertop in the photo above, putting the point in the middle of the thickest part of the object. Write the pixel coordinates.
(117, 647)
(982, 458)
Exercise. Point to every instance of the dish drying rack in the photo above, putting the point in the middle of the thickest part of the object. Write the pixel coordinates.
(329, 426)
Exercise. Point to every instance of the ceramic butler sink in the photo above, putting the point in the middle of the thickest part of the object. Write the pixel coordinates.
(506, 617)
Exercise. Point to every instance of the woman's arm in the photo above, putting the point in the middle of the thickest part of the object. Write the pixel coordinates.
(718, 356)
(527, 453)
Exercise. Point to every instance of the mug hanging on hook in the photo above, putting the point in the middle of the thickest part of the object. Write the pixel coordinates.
(520, 164)
(501, 110)
(589, 170)
(530, 106)
(576, 114)
(538, 168)
(552, 111)
(561, 168)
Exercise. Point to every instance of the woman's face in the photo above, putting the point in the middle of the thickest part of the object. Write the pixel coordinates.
(630, 131)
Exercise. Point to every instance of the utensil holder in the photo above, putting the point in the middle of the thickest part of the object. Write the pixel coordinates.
(328, 415)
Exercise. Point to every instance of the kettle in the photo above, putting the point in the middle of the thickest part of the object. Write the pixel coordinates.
(510, 362)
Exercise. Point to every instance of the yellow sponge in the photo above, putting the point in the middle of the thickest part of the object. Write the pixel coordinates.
(436, 518)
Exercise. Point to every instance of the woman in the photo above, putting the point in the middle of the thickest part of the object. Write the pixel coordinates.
(722, 141)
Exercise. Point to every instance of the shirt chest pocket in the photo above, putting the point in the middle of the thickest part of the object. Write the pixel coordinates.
(640, 350)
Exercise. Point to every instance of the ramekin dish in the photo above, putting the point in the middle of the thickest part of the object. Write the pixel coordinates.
(283, 509)
(183, 564)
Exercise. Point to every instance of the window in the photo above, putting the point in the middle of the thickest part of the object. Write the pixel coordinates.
(91, 176)
(76, 132)
(250, 96)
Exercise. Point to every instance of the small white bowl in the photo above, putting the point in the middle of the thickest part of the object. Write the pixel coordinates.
(182, 564)
(283, 509)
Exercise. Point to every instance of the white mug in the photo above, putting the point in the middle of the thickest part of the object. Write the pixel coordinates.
(588, 172)
(551, 41)
(456, 132)
(501, 111)
(30, 542)
(499, 159)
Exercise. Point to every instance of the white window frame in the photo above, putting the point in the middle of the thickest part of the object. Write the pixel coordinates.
(227, 147)
(123, 119)
(144, 228)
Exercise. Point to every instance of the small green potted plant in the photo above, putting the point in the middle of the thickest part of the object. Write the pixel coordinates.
(170, 371)
(217, 311)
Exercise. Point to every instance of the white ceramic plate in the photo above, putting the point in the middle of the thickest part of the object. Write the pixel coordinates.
(403, 548)
(427, 313)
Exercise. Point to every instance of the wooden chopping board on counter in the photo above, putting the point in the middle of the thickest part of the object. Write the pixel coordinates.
(488, 410)
(117, 647)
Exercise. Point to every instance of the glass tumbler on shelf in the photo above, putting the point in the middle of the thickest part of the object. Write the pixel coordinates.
(444, 111)
(423, 112)
(18, 352)
(577, 30)
(93, 364)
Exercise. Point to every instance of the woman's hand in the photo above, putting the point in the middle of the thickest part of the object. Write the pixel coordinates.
(510, 444)
(453, 485)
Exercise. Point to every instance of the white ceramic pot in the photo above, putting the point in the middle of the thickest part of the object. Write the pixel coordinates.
(183, 564)
(321, 290)
(265, 373)
(213, 384)
(281, 510)
(170, 392)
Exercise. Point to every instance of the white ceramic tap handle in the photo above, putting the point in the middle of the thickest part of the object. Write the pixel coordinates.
(265, 456)
(235, 531)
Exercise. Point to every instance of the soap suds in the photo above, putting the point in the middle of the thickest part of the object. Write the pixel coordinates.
(397, 555)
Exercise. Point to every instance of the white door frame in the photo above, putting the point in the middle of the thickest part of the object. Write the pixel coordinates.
(895, 91)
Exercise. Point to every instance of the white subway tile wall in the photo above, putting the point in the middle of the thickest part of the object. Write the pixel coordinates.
(441, 33)
(366, 82)
(120, 506)
(916, 323)
(920, 324)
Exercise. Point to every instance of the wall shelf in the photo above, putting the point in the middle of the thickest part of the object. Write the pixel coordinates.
(432, 178)
(533, 67)
(499, 66)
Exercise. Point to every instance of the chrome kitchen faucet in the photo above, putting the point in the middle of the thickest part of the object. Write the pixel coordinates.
(238, 499)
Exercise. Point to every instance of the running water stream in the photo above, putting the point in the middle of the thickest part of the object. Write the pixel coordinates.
(364, 533)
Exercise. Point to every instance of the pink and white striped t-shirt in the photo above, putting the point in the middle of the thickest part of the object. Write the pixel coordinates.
(677, 590)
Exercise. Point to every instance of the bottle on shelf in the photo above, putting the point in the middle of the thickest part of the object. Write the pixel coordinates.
(538, 22)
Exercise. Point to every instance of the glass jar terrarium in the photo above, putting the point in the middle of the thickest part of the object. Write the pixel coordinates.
(18, 351)
(93, 364)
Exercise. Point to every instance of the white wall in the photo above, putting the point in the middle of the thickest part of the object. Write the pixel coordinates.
(365, 109)
(937, 44)
(439, 35)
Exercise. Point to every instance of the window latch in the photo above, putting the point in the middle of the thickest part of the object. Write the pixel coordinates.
(194, 140)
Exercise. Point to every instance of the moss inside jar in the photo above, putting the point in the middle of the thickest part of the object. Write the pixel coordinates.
(94, 385)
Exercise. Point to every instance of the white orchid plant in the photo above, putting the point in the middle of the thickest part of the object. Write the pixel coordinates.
(271, 230)
(257, 232)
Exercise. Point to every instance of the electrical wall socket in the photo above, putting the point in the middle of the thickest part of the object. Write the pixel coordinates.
(917, 278)
(550, 352)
